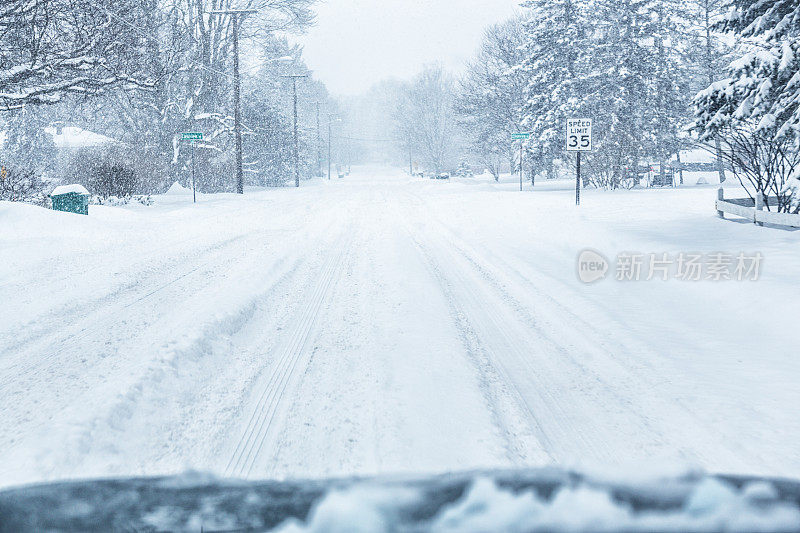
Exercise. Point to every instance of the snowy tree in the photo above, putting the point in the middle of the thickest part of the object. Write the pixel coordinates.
(366, 115)
(621, 63)
(632, 83)
(670, 79)
(762, 85)
(708, 53)
(556, 35)
(492, 94)
(188, 52)
(267, 116)
(51, 48)
(426, 115)
(755, 108)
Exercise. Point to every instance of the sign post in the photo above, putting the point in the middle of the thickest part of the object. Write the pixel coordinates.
(192, 137)
(579, 139)
(521, 136)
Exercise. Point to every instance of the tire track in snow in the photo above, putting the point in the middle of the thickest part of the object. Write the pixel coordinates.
(517, 351)
(31, 357)
(523, 439)
(482, 319)
(624, 422)
(150, 279)
(199, 347)
(292, 354)
(163, 376)
(639, 374)
(102, 345)
(152, 283)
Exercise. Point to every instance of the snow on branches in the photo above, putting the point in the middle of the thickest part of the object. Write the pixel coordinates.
(756, 108)
(49, 48)
(762, 87)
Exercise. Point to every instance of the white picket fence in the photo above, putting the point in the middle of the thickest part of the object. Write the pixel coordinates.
(754, 210)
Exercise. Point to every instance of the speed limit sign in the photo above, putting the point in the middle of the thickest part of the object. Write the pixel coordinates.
(579, 139)
(579, 135)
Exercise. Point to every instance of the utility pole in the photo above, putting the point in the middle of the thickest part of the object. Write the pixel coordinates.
(319, 145)
(578, 180)
(329, 147)
(294, 77)
(194, 187)
(330, 136)
(237, 112)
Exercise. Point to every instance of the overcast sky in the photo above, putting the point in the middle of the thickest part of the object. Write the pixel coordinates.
(359, 42)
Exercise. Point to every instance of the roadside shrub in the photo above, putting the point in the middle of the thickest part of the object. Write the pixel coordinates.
(20, 185)
(144, 199)
(112, 179)
(763, 165)
(118, 170)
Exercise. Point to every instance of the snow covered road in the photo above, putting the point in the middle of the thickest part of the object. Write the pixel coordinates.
(386, 324)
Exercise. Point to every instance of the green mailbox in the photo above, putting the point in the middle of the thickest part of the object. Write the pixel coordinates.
(71, 198)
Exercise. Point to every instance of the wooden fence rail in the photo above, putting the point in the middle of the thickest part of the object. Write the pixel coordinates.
(754, 210)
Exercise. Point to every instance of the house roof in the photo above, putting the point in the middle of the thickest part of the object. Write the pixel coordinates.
(74, 137)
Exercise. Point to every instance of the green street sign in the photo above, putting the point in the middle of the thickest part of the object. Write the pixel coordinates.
(520, 136)
(191, 136)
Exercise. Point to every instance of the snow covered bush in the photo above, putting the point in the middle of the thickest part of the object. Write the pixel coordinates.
(144, 199)
(118, 170)
(762, 163)
(792, 192)
(19, 185)
(112, 179)
(464, 170)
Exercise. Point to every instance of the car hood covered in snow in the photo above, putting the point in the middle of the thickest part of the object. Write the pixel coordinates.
(529, 500)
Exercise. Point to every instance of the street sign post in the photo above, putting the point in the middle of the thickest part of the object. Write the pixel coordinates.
(520, 136)
(579, 139)
(192, 137)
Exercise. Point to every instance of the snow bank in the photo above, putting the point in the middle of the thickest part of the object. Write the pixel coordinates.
(22, 222)
(25, 221)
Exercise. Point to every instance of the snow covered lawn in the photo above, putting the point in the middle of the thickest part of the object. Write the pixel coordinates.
(387, 324)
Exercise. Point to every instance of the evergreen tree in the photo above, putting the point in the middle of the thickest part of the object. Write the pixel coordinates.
(763, 85)
(619, 93)
(557, 39)
(755, 108)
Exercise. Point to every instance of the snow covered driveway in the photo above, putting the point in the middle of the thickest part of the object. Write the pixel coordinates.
(383, 324)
